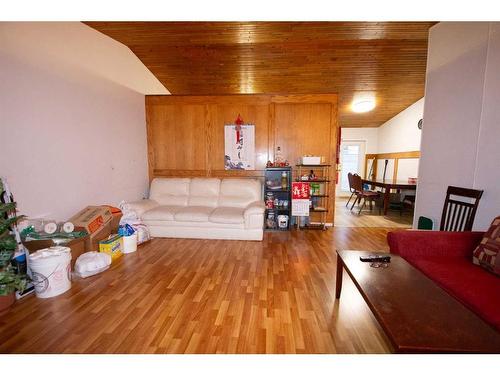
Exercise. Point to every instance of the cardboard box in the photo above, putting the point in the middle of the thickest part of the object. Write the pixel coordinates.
(92, 218)
(115, 222)
(311, 160)
(112, 246)
(92, 241)
(77, 246)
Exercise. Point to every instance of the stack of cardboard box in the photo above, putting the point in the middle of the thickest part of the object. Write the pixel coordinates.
(98, 221)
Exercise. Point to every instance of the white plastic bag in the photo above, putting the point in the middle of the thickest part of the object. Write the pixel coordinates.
(92, 263)
(130, 217)
(142, 231)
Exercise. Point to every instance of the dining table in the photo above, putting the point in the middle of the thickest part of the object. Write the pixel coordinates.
(387, 185)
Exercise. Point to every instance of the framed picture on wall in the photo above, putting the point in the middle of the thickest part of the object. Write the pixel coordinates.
(239, 144)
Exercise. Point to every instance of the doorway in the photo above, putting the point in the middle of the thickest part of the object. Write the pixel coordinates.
(352, 156)
(352, 160)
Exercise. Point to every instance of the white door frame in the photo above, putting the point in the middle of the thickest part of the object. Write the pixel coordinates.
(361, 162)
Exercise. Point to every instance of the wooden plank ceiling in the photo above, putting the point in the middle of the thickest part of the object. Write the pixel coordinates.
(387, 59)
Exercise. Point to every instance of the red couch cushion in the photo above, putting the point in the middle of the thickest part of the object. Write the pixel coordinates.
(473, 286)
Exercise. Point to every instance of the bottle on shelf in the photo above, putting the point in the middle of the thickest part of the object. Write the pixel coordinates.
(278, 157)
(284, 180)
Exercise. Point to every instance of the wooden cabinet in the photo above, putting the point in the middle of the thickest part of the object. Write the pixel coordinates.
(186, 133)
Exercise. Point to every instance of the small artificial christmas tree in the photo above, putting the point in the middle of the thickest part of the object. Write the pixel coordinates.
(10, 280)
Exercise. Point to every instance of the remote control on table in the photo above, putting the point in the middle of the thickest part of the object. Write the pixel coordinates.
(375, 258)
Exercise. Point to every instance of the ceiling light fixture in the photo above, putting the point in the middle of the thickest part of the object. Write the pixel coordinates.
(363, 105)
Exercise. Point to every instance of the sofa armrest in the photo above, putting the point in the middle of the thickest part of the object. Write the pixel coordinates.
(254, 215)
(421, 243)
(255, 208)
(139, 207)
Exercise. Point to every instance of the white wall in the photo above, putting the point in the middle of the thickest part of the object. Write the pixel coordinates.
(69, 137)
(401, 133)
(460, 139)
(487, 171)
(367, 135)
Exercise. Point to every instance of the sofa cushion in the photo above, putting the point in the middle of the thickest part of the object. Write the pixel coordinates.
(193, 213)
(473, 286)
(170, 191)
(239, 192)
(204, 192)
(227, 215)
(161, 213)
(194, 224)
(486, 253)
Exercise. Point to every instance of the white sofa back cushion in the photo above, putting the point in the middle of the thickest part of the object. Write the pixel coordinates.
(170, 191)
(204, 192)
(239, 192)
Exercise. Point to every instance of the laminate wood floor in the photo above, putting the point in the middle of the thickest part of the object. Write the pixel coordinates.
(209, 296)
(344, 217)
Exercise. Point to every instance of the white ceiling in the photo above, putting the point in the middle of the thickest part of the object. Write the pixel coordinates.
(75, 49)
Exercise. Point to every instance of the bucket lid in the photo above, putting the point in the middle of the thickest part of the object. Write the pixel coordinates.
(54, 251)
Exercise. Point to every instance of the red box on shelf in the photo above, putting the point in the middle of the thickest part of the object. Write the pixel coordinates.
(301, 190)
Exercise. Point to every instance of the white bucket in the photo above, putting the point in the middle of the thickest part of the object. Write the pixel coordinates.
(282, 221)
(51, 271)
(129, 243)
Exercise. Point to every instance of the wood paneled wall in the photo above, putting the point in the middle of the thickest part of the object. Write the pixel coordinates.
(186, 133)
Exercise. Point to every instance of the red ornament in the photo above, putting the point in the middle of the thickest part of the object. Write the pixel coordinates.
(238, 122)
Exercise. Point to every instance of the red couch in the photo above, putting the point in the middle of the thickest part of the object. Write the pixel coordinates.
(446, 258)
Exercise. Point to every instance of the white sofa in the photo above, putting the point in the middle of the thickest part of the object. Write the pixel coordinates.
(213, 208)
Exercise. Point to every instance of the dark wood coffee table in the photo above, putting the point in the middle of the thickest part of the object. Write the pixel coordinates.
(415, 313)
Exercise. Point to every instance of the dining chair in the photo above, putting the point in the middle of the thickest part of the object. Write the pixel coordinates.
(351, 189)
(356, 192)
(403, 201)
(363, 194)
(459, 213)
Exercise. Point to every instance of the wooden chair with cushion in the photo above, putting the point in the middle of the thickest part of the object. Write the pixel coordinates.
(363, 194)
(458, 214)
(351, 189)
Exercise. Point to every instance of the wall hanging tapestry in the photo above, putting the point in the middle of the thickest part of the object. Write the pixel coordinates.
(239, 143)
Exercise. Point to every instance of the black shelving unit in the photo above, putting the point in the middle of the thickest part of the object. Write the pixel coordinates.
(277, 197)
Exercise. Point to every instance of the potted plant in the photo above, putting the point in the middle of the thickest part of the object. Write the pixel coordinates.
(10, 281)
